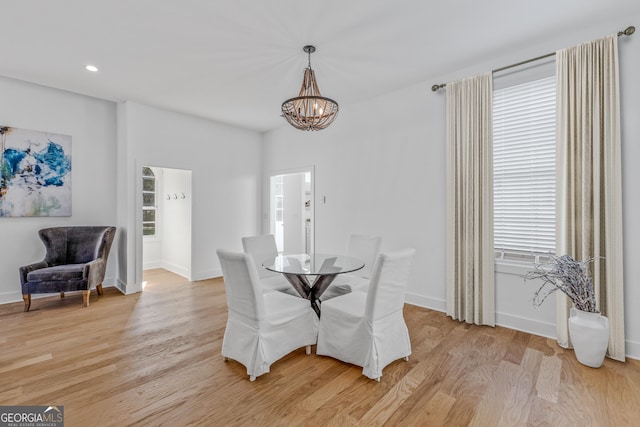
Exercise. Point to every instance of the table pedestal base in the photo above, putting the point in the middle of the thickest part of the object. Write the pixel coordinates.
(313, 291)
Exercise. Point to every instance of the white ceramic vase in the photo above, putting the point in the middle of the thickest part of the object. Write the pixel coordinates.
(589, 334)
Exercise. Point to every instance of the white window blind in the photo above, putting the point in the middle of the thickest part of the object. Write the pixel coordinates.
(524, 152)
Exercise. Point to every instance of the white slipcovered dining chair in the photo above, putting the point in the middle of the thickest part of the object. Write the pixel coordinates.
(365, 248)
(368, 329)
(262, 248)
(262, 327)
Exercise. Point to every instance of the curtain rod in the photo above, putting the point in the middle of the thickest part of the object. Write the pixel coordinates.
(627, 32)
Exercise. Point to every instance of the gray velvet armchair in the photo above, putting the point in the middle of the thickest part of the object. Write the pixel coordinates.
(76, 260)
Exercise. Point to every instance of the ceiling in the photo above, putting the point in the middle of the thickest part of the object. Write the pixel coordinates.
(235, 61)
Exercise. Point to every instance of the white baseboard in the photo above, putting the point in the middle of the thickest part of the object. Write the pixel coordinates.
(177, 269)
(506, 320)
(426, 302)
(152, 264)
(535, 327)
(174, 268)
(207, 274)
(543, 329)
(10, 297)
(199, 275)
(632, 349)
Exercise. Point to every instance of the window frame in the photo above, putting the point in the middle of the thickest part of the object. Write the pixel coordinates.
(148, 208)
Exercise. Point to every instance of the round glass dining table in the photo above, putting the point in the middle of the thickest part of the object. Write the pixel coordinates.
(297, 268)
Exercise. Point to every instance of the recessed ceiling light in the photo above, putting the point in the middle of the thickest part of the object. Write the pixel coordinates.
(92, 68)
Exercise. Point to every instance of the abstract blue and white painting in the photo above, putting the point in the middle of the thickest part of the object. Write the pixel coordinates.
(35, 173)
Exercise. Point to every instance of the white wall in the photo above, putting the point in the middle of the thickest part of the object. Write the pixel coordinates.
(381, 168)
(92, 125)
(226, 171)
(176, 221)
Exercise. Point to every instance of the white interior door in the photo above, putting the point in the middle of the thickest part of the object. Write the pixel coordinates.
(293, 214)
(292, 210)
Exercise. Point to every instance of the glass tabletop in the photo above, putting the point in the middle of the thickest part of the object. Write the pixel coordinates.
(314, 264)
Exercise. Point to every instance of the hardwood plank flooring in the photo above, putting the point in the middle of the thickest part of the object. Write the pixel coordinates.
(154, 359)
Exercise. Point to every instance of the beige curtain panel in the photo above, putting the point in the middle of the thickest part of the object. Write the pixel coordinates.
(589, 199)
(469, 157)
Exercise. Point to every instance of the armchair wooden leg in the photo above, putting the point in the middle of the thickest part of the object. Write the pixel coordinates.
(61, 294)
(27, 301)
(99, 289)
(85, 298)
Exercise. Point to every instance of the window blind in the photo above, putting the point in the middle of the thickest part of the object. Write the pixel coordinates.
(524, 152)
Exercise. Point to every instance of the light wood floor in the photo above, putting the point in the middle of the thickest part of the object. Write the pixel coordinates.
(154, 359)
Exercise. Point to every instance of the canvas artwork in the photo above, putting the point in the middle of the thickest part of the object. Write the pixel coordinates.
(35, 173)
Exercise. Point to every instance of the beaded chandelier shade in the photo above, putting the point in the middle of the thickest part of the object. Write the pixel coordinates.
(309, 110)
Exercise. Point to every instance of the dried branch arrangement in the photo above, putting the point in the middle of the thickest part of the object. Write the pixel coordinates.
(566, 275)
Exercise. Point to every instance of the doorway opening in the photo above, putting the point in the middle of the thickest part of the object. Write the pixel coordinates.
(166, 221)
(291, 213)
